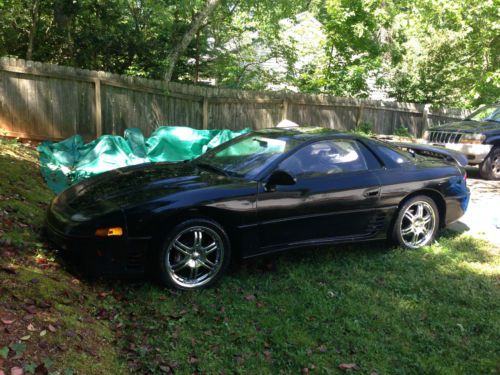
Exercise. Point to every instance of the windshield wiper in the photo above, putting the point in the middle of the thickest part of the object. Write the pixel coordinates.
(212, 168)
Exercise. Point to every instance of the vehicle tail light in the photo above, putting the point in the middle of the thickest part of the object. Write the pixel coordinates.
(109, 232)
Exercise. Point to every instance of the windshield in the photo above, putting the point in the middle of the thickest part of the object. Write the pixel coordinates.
(246, 156)
(487, 113)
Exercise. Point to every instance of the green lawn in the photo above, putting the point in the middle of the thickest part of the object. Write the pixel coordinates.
(433, 311)
(386, 310)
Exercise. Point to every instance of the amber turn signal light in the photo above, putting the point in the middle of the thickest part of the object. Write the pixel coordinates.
(109, 232)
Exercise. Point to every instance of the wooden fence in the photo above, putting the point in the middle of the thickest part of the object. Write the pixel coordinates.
(45, 101)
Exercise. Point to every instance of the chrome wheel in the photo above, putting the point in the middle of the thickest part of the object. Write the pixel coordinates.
(194, 256)
(418, 224)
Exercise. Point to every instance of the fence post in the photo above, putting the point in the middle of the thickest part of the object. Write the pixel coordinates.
(205, 112)
(284, 109)
(360, 113)
(98, 108)
(425, 116)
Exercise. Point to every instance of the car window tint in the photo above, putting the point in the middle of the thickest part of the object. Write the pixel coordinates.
(325, 158)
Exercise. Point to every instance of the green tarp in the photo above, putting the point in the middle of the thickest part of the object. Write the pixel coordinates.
(67, 162)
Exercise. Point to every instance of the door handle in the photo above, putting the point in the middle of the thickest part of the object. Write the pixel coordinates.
(371, 193)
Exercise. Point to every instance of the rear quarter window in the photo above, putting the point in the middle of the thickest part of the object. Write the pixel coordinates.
(391, 156)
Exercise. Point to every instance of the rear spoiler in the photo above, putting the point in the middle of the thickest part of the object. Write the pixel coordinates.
(434, 151)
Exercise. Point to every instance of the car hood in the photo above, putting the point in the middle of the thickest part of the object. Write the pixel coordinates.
(468, 126)
(127, 186)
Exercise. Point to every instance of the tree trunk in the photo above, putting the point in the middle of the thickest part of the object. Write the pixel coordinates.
(179, 49)
(34, 24)
(197, 58)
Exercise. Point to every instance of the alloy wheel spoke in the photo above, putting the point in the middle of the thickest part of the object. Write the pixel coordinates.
(409, 216)
(427, 219)
(207, 264)
(182, 248)
(414, 238)
(198, 237)
(180, 265)
(420, 210)
(407, 231)
(193, 273)
(210, 248)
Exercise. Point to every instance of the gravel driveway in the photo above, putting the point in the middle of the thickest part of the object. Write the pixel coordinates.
(482, 218)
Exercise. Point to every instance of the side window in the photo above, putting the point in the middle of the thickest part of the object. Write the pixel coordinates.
(325, 158)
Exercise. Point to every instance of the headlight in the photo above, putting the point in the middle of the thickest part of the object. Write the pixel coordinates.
(473, 138)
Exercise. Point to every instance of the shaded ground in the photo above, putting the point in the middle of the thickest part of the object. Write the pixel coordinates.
(482, 218)
(367, 307)
(49, 320)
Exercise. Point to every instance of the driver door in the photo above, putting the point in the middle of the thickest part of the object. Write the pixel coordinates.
(335, 196)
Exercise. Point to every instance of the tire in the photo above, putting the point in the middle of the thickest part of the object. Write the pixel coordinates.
(195, 255)
(489, 169)
(417, 223)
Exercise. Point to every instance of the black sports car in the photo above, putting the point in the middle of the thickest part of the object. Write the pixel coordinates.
(262, 192)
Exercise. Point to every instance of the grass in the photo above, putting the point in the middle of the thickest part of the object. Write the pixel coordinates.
(385, 310)
(433, 311)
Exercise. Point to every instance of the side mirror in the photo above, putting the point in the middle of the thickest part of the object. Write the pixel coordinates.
(279, 177)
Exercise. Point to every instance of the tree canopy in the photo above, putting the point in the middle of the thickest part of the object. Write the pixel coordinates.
(445, 52)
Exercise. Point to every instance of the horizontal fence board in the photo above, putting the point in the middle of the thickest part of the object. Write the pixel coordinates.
(46, 101)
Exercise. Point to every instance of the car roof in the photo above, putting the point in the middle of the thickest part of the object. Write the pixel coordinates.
(303, 133)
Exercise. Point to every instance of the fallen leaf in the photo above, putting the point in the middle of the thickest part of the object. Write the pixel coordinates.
(259, 305)
(26, 338)
(30, 309)
(250, 297)
(2, 373)
(322, 348)
(43, 333)
(31, 328)
(51, 328)
(16, 371)
(7, 321)
(41, 260)
(348, 366)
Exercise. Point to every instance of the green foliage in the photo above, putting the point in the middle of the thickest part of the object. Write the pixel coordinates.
(364, 128)
(4, 352)
(402, 132)
(442, 52)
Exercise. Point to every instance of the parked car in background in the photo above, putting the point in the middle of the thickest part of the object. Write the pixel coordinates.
(260, 193)
(477, 136)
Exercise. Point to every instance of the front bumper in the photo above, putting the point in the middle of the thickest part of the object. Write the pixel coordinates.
(108, 256)
(475, 153)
